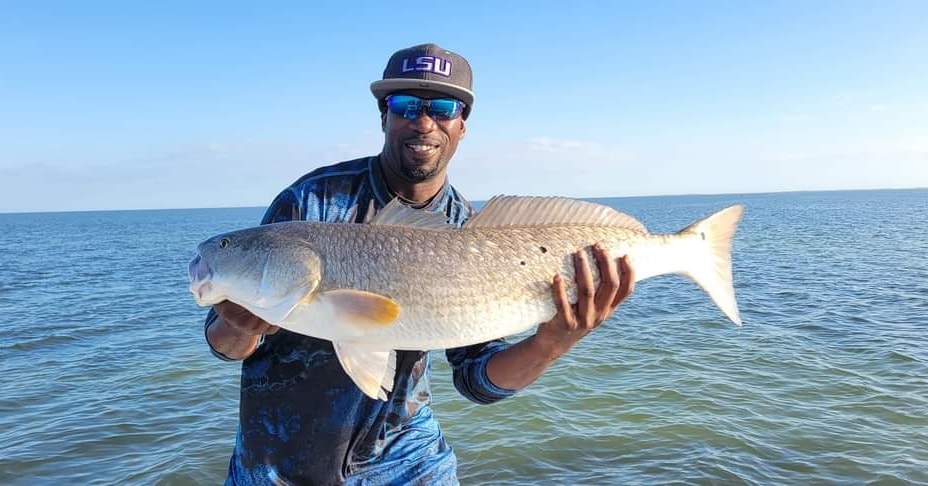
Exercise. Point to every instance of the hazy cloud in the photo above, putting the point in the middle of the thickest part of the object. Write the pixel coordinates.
(795, 117)
(552, 145)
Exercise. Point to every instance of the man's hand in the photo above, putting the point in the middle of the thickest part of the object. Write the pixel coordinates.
(235, 331)
(594, 305)
(522, 363)
(243, 321)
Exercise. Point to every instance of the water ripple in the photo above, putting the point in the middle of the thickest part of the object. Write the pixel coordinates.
(107, 379)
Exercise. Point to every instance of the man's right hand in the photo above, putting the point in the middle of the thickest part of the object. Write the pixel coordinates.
(236, 331)
(243, 321)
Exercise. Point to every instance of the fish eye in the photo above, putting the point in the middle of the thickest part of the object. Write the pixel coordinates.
(223, 243)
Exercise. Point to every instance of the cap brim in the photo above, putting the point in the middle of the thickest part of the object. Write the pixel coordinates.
(382, 88)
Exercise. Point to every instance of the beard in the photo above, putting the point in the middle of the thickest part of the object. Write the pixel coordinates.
(418, 170)
(419, 174)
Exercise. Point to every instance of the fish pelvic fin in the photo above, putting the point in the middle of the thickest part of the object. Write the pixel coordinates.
(712, 271)
(372, 370)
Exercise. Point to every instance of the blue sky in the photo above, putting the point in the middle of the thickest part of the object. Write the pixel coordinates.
(125, 105)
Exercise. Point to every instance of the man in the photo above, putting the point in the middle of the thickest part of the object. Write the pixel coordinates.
(302, 419)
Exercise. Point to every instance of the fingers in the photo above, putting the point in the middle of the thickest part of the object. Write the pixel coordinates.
(586, 293)
(561, 301)
(593, 305)
(627, 279)
(609, 282)
(617, 281)
(241, 319)
(230, 309)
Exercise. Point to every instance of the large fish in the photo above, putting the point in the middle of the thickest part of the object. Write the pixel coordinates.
(410, 281)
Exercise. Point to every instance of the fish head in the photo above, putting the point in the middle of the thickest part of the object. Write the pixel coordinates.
(262, 269)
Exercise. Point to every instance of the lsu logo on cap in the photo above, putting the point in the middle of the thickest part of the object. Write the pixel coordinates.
(432, 64)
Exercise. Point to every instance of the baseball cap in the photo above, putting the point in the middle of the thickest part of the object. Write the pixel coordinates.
(427, 67)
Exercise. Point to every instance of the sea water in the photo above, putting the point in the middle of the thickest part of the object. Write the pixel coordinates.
(105, 377)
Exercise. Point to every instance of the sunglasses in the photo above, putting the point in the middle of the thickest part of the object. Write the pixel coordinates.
(410, 107)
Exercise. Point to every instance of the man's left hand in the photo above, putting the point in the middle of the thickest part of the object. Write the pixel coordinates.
(594, 304)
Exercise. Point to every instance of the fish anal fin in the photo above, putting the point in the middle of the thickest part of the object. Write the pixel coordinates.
(371, 369)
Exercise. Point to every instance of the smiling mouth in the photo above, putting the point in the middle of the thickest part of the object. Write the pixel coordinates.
(421, 148)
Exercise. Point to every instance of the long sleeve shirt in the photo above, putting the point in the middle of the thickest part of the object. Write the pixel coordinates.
(302, 420)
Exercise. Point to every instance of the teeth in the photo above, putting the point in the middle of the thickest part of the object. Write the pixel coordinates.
(420, 148)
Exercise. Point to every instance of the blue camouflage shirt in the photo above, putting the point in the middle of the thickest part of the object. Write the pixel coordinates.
(301, 419)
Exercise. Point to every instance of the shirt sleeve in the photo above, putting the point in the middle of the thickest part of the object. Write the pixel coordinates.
(285, 207)
(470, 372)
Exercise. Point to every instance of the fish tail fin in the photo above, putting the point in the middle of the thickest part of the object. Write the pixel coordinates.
(712, 271)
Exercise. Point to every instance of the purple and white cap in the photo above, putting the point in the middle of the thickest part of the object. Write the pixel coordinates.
(428, 67)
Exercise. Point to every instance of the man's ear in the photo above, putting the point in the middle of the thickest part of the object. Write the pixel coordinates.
(463, 128)
(383, 122)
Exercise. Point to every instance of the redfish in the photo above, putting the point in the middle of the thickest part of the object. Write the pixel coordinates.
(410, 281)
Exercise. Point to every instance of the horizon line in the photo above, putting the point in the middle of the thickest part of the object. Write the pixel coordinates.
(695, 194)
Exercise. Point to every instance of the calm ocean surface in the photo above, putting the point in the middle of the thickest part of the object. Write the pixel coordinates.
(105, 377)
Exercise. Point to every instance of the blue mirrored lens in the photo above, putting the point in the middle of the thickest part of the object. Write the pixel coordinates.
(405, 106)
(444, 108)
(409, 107)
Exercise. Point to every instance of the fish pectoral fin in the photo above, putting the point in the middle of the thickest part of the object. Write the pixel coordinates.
(371, 369)
(361, 308)
(275, 314)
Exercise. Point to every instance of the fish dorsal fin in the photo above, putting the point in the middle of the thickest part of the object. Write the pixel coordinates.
(371, 369)
(396, 213)
(502, 211)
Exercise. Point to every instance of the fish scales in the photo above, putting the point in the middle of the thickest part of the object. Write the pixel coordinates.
(485, 283)
(408, 282)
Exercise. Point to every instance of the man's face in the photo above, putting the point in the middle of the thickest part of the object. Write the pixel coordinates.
(419, 150)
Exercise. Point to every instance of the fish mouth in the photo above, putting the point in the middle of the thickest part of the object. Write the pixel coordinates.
(200, 279)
